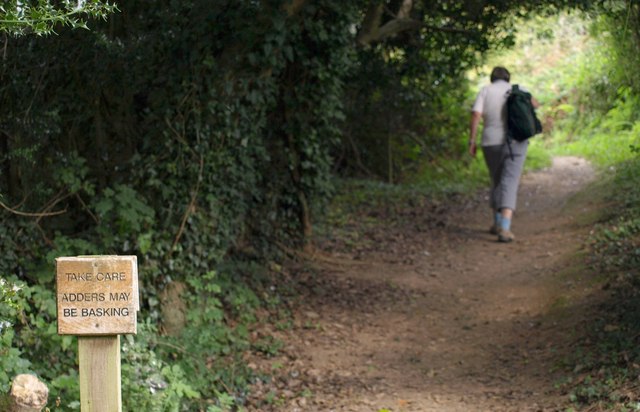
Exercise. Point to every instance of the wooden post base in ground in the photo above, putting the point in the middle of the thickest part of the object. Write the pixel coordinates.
(99, 358)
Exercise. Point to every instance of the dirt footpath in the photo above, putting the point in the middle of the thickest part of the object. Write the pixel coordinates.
(435, 315)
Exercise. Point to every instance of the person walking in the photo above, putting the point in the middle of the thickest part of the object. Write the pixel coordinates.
(504, 159)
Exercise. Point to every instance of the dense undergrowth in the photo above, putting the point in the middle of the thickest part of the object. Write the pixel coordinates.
(602, 374)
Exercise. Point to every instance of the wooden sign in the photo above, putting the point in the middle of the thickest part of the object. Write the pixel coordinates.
(97, 295)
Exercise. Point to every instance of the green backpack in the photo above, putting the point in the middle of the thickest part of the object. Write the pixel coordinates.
(522, 121)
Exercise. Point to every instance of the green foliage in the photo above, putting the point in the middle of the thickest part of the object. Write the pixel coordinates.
(185, 134)
(150, 383)
(604, 369)
(538, 156)
(210, 348)
(28, 338)
(125, 210)
(590, 103)
(225, 403)
(8, 294)
(41, 17)
(604, 366)
(569, 61)
(615, 244)
(609, 139)
(406, 116)
(11, 363)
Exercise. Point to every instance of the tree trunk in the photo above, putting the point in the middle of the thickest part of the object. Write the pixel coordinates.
(5, 165)
(373, 30)
(173, 308)
(293, 6)
(295, 164)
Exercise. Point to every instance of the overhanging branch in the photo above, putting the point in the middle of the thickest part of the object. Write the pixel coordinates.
(293, 7)
(371, 24)
(399, 25)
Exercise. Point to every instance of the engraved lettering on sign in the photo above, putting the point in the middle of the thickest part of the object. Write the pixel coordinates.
(99, 312)
(119, 296)
(79, 276)
(110, 276)
(97, 295)
(83, 297)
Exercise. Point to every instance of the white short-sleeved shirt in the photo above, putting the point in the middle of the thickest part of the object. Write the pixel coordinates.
(491, 103)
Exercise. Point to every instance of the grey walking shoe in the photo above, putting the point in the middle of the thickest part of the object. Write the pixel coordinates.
(505, 236)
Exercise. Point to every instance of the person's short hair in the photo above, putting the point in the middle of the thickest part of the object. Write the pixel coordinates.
(500, 73)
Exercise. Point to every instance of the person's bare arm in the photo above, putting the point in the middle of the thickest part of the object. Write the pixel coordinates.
(535, 102)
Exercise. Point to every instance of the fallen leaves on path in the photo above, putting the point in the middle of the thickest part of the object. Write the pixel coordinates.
(420, 309)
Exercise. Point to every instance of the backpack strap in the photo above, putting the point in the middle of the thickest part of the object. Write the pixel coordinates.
(509, 138)
(514, 87)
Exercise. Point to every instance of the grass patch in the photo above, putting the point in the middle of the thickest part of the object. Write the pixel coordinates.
(436, 184)
(592, 204)
(605, 148)
(538, 156)
(445, 177)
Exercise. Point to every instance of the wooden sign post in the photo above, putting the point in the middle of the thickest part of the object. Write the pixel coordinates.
(97, 299)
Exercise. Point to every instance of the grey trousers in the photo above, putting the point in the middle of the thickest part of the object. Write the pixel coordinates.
(505, 173)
